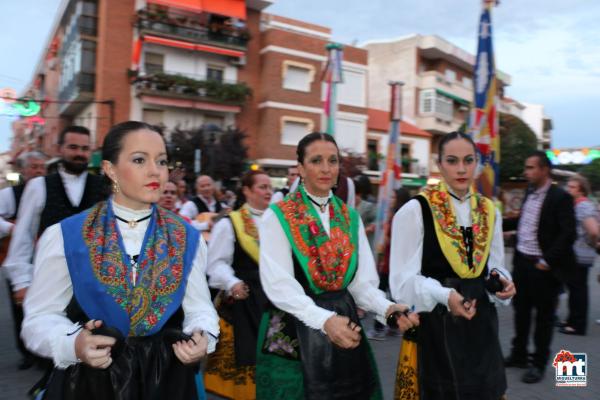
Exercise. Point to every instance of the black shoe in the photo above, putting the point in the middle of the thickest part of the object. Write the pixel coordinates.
(569, 330)
(513, 361)
(560, 324)
(26, 363)
(533, 375)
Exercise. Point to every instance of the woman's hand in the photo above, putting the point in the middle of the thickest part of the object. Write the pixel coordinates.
(240, 291)
(93, 350)
(191, 351)
(404, 320)
(508, 289)
(460, 307)
(342, 332)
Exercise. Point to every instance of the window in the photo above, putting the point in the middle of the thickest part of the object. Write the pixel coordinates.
(432, 102)
(297, 76)
(215, 73)
(153, 117)
(468, 82)
(294, 129)
(352, 91)
(153, 63)
(427, 98)
(405, 155)
(450, 75)
(88, 56)
(372, 155)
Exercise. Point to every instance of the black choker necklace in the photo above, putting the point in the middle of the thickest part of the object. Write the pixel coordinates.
(458, 198)
(133, 223)
(321, 206)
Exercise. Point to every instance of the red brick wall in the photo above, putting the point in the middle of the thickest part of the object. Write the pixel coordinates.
(249, 119)
(113, 58)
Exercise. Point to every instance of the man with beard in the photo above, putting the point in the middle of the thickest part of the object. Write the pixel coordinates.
(48, 200)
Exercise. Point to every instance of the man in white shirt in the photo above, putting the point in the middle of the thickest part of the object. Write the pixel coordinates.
(31, 165)
(292, 175)
(48, 200)
(203, 202)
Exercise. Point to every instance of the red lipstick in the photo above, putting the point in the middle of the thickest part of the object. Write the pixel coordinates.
(153, 185)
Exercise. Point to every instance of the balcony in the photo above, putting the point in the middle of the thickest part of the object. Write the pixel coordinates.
(192, 28)
(438, 124)
(77, 92)
(194, 90)
(436, 80)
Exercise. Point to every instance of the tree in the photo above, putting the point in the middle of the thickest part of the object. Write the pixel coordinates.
(517, 142)
(223, 154)
(592, 172)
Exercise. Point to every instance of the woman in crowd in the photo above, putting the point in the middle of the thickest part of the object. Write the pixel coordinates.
(445, 243)
(233, 268)
(119, 298)
(588, 233)
(316, 268)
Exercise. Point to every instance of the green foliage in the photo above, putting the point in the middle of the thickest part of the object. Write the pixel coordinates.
(517, 141)
(223, 154)
(236, 93)
(592, 172)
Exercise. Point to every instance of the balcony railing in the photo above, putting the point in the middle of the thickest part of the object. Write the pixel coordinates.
(83, 82)
(191, 28)
(187, 87)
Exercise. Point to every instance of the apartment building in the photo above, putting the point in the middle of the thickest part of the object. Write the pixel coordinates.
(438, 78)
(192, 63)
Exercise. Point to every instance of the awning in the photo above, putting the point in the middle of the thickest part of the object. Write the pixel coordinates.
(192, 46)
(414, 182)
(228, 8)
(459, 100)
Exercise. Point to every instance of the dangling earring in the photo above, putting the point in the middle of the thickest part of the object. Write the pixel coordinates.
(115, 187)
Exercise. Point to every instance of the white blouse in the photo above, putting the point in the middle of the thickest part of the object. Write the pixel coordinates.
(407, 285)
(220, 254)
(46, 329)
(18, 265)
(285, 292)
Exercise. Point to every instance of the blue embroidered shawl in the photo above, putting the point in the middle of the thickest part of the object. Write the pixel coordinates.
(100, 269)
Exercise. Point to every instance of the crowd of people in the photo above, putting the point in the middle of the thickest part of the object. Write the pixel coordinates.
(127, 287)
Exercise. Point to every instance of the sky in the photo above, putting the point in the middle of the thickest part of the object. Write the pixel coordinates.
(549, 47)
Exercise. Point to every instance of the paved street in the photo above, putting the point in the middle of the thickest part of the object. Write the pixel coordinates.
(14, 384)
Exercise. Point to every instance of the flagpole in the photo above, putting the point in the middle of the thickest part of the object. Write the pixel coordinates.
(391, 176)
(332, 75)
(483, 121)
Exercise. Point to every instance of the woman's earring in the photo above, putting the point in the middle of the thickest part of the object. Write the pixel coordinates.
(115, 187)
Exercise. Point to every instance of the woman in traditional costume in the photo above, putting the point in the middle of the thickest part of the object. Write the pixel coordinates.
(119, 298)
(447, 260)
(233, 256)
(316, 267)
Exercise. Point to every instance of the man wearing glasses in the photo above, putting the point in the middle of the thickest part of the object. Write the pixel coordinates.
(48, 200)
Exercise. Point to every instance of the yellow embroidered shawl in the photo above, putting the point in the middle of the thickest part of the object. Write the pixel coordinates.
(246, 231)
(448, 231)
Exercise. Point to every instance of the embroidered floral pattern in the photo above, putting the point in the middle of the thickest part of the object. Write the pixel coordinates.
(249, 225)
(276, 341)
(444, 217)
(160, 268)
(328, 257)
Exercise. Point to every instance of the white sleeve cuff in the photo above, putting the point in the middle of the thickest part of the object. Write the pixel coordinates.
(441, 295)
(63, 347)
(19, 275)
(232, 282)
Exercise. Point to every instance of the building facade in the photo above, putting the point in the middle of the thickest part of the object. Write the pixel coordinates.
(438, 82)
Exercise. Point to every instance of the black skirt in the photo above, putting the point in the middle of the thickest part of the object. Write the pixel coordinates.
(146, 369)
(331, 372)
(461, 359)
